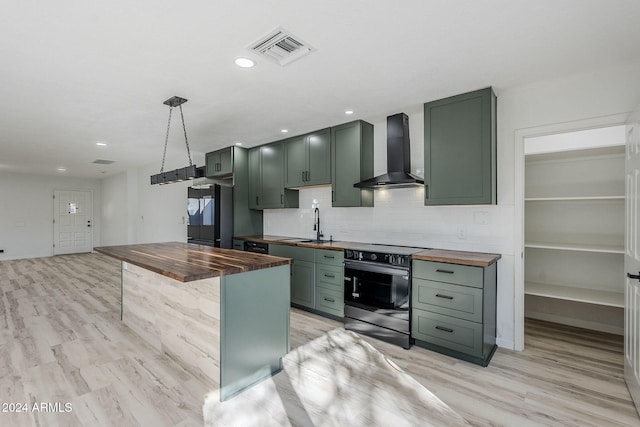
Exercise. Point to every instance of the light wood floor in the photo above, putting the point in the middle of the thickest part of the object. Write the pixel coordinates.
(61, 342)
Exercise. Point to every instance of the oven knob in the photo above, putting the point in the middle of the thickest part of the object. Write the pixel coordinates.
(348, 254)
(373, 257)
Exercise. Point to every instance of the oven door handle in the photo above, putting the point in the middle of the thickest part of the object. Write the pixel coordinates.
(375, 268)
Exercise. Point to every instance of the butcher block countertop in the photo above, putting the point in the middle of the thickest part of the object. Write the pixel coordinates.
(306, 243)
(477, 259)
(186, 262)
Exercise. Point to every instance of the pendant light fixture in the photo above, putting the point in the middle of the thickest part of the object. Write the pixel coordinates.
(181, 174)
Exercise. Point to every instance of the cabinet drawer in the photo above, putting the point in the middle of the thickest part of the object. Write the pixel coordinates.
(330, 301)
(463, 302)
(455, 334)
(330, 276)
(324, 256)
(295, 252)
(450, 273)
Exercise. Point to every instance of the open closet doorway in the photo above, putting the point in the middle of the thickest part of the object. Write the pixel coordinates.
(574, 219)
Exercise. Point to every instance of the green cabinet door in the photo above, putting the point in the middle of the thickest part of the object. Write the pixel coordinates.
(319, 157)
(302, 283)
(308, 159)
(296, 160)
(460, 149)
(266, 179)
(351, 162)
(226, 161)
(302, 272)
(272, 164)
(255, 179)
(219, 162)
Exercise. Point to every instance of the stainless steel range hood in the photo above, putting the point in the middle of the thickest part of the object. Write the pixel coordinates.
(398, 158)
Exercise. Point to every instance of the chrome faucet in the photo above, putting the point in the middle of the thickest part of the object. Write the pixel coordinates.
(316, 223)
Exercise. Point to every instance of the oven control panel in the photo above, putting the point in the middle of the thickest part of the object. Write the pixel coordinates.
(378, 257)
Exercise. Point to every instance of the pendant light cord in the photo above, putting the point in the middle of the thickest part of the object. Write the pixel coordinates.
(186, 141)
(166, 139)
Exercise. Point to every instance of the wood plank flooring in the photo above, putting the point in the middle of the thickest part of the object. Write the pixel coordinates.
(67, 358)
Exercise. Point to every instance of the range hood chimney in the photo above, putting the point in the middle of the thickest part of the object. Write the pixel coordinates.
(398, 158)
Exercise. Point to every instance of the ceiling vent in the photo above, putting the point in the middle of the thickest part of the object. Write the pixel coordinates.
(281, 46)
(103, 162)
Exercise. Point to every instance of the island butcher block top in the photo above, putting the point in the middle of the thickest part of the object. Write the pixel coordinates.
(186, 262)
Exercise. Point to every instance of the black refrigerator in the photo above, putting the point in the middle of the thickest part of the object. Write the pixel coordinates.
(210, 213)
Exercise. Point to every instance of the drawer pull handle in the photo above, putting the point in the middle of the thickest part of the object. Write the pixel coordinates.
(444, 296)
(444, 271)
(329, 299)
(329, 256)
(329, 275)
(442, 328)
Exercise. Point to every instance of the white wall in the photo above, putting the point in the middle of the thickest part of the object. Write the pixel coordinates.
(115, 210)
(134, 211)
(26, 212)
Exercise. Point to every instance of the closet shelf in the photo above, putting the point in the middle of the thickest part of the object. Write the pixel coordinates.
(573, 198)
(608, 249)
(571, 293)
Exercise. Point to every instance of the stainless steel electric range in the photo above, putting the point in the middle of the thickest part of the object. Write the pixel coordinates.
(377, 291)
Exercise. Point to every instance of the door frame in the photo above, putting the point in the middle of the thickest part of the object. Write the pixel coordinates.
(53, 215)
(519, 169)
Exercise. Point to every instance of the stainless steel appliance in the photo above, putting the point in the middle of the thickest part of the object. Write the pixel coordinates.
(377, 291)
(210, 213)
(257, 247)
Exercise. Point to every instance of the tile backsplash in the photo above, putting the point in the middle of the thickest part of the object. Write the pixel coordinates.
(399, 218)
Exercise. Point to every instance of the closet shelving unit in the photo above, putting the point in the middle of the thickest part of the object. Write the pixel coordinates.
(574, 225)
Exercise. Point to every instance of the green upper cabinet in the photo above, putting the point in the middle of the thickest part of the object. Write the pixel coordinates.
(255, 187)
(308, 159)
(351, 162)
(219, 163)
(460, 149)
(266, 179)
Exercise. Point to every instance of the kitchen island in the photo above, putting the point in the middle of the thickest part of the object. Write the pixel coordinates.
(221, 314)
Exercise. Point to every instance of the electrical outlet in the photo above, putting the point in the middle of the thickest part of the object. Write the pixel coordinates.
(481, 218)
(462, 233)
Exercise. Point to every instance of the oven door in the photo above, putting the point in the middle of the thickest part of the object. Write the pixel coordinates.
(373, 286)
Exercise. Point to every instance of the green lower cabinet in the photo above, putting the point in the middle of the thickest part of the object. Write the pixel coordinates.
(330, 301)
(317, 278)
(302, 283)
(453, 309)
(238, 245)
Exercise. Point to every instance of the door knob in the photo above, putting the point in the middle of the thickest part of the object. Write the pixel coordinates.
(633, 276)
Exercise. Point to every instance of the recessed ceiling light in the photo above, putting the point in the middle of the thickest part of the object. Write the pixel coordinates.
(238, 143)
(284, 130)
(244, 62)
(61, 169)
(101, 144)
(348, 112)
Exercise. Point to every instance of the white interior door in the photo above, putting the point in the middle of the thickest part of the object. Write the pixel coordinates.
(632, 260)
(72, 222)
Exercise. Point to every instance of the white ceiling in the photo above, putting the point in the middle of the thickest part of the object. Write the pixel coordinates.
(75, 72)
